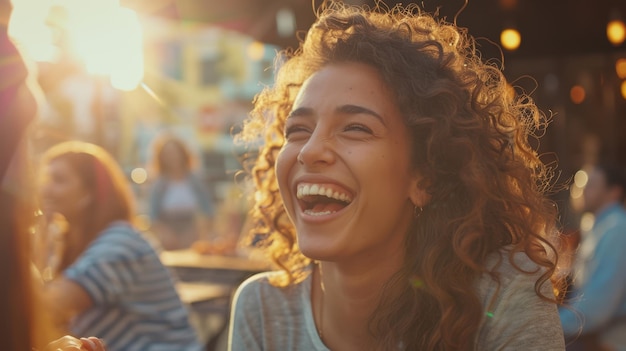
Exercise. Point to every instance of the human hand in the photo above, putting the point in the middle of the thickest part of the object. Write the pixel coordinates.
(70, 343)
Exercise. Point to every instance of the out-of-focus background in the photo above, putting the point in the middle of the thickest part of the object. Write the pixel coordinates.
(120, 72)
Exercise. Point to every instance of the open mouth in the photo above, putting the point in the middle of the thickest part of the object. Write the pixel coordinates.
(322, 199)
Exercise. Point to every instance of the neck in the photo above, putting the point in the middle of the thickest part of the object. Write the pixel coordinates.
(345, 297)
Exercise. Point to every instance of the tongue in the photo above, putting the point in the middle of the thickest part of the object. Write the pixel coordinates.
(328, 207)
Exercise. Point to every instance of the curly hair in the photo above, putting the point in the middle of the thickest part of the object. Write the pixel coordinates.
(471, 140)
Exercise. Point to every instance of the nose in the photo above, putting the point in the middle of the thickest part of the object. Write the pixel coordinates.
(318, 150)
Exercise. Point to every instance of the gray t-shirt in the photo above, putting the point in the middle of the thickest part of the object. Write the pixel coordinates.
(266, 317)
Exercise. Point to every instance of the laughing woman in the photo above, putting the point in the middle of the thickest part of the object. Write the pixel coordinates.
(398, 193)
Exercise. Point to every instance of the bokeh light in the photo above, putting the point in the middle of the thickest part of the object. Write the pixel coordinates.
(510, 39)
(616, 32)
(623, 89)
(577, 94)
(581, 178)
(620, 68)
(139, 175)
(586, 221)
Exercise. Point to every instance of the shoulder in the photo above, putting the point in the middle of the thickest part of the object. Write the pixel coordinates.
(270, 317)
(515, 278)
(260, 288)
(258, 299)
(119, 240)
(512, 305)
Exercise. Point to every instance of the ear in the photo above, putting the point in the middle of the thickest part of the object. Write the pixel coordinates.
(417, 192)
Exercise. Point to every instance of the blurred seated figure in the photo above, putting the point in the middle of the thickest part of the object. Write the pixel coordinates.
(596, 317)
(111, 282)
(23, 322)
(181, 208)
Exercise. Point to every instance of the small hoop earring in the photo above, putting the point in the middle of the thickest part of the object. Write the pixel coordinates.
(417, 211)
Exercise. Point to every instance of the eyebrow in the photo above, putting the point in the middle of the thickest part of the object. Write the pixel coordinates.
(343, 109)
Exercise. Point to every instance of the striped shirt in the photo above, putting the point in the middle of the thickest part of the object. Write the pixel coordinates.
(135, 304)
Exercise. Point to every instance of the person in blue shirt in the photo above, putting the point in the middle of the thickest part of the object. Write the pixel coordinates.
(595, 315)
(180, 205)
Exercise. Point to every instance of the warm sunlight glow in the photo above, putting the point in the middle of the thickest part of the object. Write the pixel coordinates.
(616, 32)
(107, 38)
(127, 69)
(28, 28)
(510, 39)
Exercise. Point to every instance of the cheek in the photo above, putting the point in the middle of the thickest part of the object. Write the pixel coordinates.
(285, 161)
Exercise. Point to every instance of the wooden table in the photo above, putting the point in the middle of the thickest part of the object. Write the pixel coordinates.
(194, 292)
(189, 258)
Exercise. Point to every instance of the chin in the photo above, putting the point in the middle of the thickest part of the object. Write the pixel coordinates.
(317, 250)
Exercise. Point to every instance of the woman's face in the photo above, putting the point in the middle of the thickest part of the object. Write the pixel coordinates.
(63, 191)
(173, 157)
(344, 171)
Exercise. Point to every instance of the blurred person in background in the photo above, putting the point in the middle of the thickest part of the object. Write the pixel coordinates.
(24, 322)
(180, 206)
(595, 315)
(110, 281)
(397, 190)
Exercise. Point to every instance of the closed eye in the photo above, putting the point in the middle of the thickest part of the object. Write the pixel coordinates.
(357, 128)
(295, 129)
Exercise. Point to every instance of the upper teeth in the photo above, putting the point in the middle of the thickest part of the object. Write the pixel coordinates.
(315, 189)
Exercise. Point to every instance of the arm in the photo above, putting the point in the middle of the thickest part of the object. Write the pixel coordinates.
(65, 299)
(601, 294)
(102, 275)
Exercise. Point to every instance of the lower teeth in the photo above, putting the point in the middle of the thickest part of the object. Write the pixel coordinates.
(311, 213)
